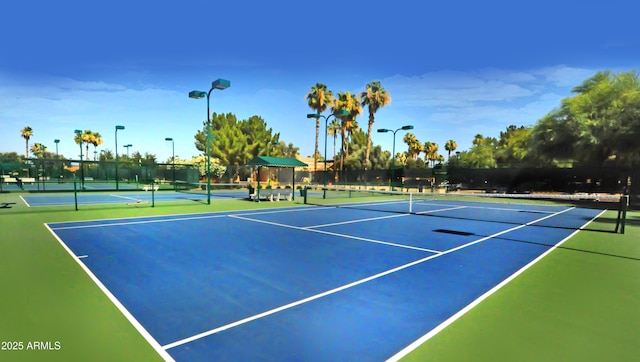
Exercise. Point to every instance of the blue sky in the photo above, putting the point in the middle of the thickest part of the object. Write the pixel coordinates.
(453, 69)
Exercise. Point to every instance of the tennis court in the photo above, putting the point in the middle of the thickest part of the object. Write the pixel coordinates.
(312, 283)
(134, 195)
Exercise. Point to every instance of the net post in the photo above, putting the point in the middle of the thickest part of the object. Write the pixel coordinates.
(624, 205)
(75, 194)
(411, 202)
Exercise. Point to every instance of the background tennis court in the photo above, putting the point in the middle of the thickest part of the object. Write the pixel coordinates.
(310, 283)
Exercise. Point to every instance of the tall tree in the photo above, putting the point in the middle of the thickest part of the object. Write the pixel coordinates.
(481, 154)
(597, 126)
(374, 97)
(346, 101)
(414, 146)
(513, 145)
(318, 99)
(334, 129)
(96, 140)
(236, 142)
(26, 133)
(430, 152)
(38, 150)
(450, 146)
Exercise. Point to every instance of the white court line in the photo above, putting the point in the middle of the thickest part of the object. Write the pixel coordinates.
(125, 197)
(82, 256)
(440, 210)
(493, 208)
(173, 218)
(471, 305)
(133, 222)
(25, 201)
(355, 221)
(170, 217)
(380, 218)
(336, 234)
(346, 286)
(145, 334)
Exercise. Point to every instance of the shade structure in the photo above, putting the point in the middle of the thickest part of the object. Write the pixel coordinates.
(267, 161)
(285, 162)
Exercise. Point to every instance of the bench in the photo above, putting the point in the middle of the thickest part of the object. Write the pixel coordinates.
(272, 195)
(150, 187)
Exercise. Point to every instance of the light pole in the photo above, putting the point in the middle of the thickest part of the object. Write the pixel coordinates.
(79, 135)
(393, 153)
(127, 147)
(56, 141)
(337, 114)
(173, 161)
(117, 128)
(216, 84)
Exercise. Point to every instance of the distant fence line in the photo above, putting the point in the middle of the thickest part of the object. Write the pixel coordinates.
(577, 179)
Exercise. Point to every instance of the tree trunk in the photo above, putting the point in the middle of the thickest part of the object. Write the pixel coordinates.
(315, 152)
(368, 149)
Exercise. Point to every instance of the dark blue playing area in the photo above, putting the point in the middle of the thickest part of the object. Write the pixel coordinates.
(308, 283)
(115, 197)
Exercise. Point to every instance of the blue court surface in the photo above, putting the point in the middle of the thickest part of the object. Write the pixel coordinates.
(307, 283)
(115, 197)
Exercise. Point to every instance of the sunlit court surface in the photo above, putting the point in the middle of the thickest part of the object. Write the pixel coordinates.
(312, 283)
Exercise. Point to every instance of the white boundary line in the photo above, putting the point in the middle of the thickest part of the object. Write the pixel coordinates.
(473, 304)
(134, 222)
(177, 216)
(336, 234)
(25, 201)
(124, 197)
(163, 353)
(161, 218)
(346, 286)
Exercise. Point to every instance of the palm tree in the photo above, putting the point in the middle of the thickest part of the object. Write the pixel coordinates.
(38, 150)
(85, 137)
(401, 158)
(414, 145)
(96, 140)
(450, 146)
(375, 97)
(26, 133)
(349, 102)
(318, 99)
(334, 129)
(430, 152)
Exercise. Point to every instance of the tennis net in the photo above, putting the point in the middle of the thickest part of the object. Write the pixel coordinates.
(230, 190)
(499, 208)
